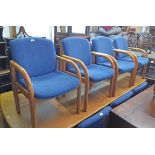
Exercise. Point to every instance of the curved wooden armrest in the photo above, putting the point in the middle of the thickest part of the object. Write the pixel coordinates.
(108, 57)
(139, 50)
(133, 56)
(16, 67)
(80, 63)
(72, 63)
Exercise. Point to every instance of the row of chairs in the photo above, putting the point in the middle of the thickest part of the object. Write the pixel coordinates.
(39, 73)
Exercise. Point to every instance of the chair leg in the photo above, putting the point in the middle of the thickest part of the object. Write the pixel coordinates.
(78, 104)
(112, 82)
(33, 113)
(86, 96)
(132, 78)
(16, 97)
(144, 71)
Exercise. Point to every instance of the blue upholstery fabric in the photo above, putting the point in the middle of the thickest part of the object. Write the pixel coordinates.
(52, 84)
(120, 43)
(140, 88)
(103, 45)
(141, 60)
(36, 55)
(78, 48)
(96, 121)
(124, 66)
(97, 72)
(121, 99)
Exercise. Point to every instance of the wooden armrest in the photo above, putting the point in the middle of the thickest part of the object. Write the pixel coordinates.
(139, 50)
(72, 63)
(81, 64)
(16, 67)
(133, 56)
(108, 57)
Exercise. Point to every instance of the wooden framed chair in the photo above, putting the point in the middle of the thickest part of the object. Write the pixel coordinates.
(78, 49)
(122, 44)
(105, 45)
(34, 73)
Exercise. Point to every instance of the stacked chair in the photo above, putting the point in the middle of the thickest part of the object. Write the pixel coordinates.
(35, 73)
(121, 43)
(105, 45)
(78, 50)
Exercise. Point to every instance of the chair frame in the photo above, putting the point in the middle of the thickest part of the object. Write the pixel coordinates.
(86, 80)
(28, 92)
(145, 55)
(134, 59)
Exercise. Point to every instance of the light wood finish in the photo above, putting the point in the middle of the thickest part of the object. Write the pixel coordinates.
(139, 50)
(134, 59)
(28, 92)
(145, 54)
(84, 79)
(115, 67)
(51, 113)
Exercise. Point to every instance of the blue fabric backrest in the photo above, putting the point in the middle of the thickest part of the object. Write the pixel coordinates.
(120, 43)
(102, 45)
(78, 48)
(36, 55)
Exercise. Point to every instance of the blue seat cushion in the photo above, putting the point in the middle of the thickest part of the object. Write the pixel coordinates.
(121, 99)
(140, 88)
(96, 121)
(141, 60)
(52, 84)
(124, 66)
(97, 72)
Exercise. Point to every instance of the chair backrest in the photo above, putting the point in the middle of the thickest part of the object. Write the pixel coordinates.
(36, 55)
(120, 43)
(78, 48)
(102, 45)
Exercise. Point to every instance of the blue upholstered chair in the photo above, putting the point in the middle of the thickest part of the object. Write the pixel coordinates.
(122, 43)
(34, 72)
(105, 45)
(78, 49)
(99, 120)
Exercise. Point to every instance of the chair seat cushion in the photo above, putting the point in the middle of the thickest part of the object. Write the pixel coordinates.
(52, 84)
(97, 72)
(140, 88)
(141, 60)
(121, 99)
(124, 66)
(96, 121)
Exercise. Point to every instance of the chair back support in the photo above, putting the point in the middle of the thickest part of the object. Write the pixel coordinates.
(36, 55)
(78, 48)
(102, 45)
(120, 43)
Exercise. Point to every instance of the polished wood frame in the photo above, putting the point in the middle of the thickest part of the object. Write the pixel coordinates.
(86, 79)
(28, 92)
(134, 59)
(145, 55)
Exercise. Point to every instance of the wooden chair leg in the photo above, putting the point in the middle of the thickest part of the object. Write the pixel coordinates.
(16, 97)
(112, 82)
(33, 113)
(78, 104)
(144, 71)
(86, 96)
